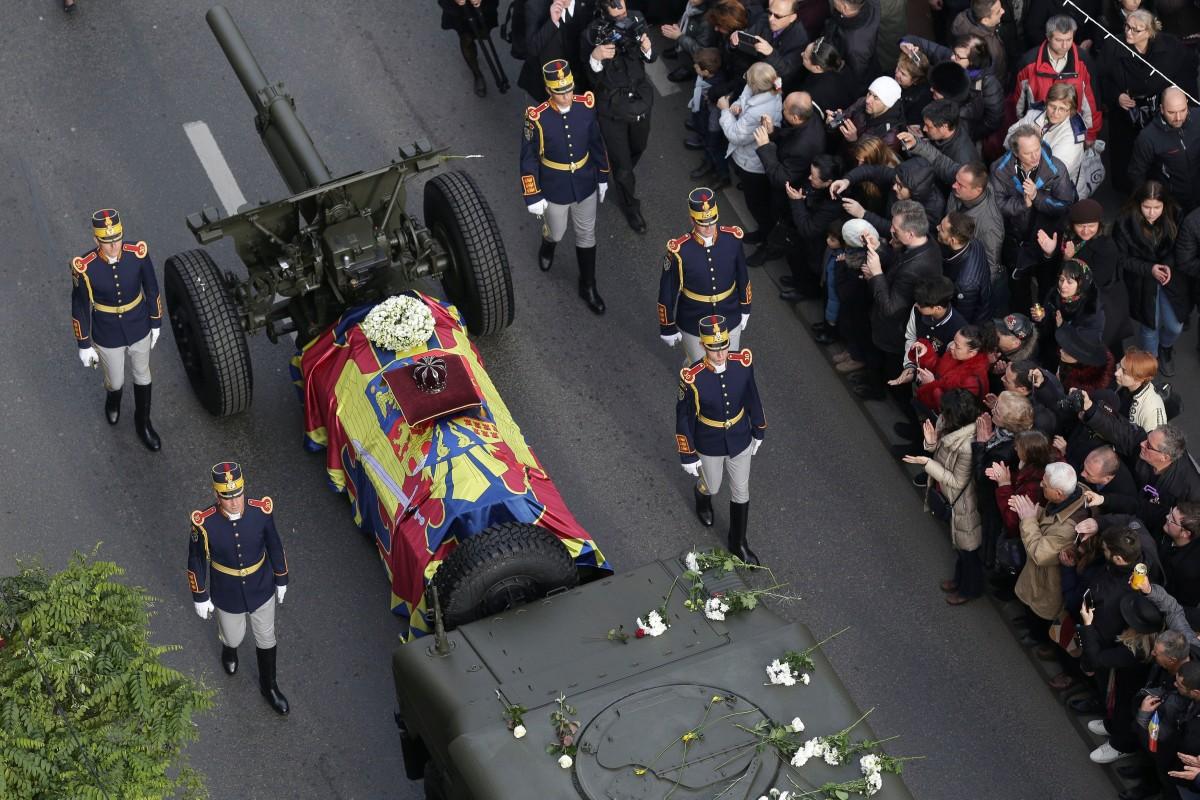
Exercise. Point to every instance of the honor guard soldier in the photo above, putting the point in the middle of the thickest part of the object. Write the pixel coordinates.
(116, 310)
(704, 273)
(719, 426)
(564, 172)
(236, 564)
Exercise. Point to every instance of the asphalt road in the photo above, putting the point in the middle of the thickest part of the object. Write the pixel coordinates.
(94, 111)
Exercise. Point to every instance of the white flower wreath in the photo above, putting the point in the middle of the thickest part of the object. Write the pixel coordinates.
(399, 323)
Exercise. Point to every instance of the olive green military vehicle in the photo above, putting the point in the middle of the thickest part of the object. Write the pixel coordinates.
(336, 243)
(634, 700)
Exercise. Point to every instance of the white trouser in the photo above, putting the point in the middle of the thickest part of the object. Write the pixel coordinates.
(583, 218)
(232, 627)
(112, 359)
(713, 469)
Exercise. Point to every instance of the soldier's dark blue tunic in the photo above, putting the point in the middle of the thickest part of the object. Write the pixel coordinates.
(718, 413)
(114, 305)
(699, 281)
(245, 555)
(562, 154)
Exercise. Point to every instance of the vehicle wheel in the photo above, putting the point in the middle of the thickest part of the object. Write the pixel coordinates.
(414, 753)
(478, 281)
(434, 784)
(208, 333)
(502, 567)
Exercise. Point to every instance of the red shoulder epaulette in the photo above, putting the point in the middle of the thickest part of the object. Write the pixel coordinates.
(744, 357)
(533, 112)
(80, 264)
(587, 98)
(265, 504)
(674, 244)
(198, 517)
(139, 249)
(688, 374)
(734, 230)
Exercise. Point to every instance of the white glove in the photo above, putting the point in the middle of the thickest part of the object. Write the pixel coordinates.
(88, 356)
(757, 444)
(745, 322)
(538, 208)
(672, 339)
(602, 189)
(692, 469)
(154, 332)
(205, 609)
(280, 591)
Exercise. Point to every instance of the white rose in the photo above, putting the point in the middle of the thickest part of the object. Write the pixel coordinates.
(565, 761)
(519, 731)
(805, 679)
(691, 562)
(797, 725)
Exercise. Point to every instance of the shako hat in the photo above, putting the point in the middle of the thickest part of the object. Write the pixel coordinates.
(106, 224)
(557, 75)
(702, 204)
(713, 333)
(227, 479)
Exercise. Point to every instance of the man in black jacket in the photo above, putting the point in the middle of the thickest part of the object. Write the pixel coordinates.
(940, 122)
(965, 262)
(620, 50)
(812, 211)
(916, 258)
(1180, 553)
(1105, 475)
(1168, 150)
(554, 29)
(781, 39)
(853, 28)
(786, 155)
(1163, 467)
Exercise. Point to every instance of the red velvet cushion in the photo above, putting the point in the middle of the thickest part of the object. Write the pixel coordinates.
(460, 393)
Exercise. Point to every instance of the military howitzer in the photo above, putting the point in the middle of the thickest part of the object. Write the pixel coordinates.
(334, 244)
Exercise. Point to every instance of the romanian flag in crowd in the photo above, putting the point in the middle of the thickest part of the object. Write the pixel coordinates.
(420, 488)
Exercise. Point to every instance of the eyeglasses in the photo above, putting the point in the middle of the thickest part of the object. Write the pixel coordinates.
(1132, 29)
(1146, 444)
(1175, 521)
(773, 15)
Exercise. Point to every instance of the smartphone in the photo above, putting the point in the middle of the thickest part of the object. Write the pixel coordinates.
(1087, 599)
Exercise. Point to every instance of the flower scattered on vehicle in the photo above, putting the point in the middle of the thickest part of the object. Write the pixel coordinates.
(715, 608)
(797, 725)
(565, 729)
(691, 561)
(513, 716)
(653, 626)
(519, 732)
(399, 323)
(565, 761)
(780, 674)
(794, 666)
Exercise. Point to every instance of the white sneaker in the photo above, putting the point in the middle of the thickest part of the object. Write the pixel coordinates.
(1106, 754)
(1096, 726)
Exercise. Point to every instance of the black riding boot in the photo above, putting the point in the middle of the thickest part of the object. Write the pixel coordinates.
(1166, 361)
(112, 406)
(738, 516)
(266, 680)
(587, 279)
(546, 255)
(703, 507)
(141, 418)
(229, 659)
(466, 43)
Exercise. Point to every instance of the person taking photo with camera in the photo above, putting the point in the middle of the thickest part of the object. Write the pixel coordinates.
(620, 50)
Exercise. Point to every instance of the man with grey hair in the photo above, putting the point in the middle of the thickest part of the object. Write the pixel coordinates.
(1058, 59)
(1161, 463)
(1168, 149)
(1046, 532)
(911, 258)
(1034, 192)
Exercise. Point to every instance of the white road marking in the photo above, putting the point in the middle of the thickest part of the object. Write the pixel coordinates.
(657, 73)
(215, 165)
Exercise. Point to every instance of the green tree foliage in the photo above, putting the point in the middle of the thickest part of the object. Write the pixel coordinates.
(88, 711)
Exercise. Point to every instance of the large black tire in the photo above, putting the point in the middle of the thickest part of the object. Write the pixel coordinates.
(478, 281)
(208, 333)
(504, 566)
(434, 783)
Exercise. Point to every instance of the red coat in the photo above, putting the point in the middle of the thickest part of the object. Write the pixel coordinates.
(1035, 77)
(1027, 481)
(950, 373)
(1089, 379)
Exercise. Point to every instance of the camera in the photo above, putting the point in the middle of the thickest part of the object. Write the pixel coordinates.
(625, 33)
(837, 120)
(1073, 402)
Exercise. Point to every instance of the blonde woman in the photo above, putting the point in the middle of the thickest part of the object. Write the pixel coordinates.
(1063, 129)
(740, 120)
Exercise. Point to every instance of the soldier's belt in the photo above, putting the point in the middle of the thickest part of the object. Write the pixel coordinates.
(239, 573)
(132, 304)
(709, 298)
(565, 167)
(712, 423)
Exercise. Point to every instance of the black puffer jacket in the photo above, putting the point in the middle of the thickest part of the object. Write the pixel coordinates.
(1187, 264)
(854, 37)
(1170, 155)
(917, 175)
(1121, 73)
(1139, 254)
(886, 126)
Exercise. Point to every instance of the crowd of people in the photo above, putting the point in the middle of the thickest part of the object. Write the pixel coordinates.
(940, 198)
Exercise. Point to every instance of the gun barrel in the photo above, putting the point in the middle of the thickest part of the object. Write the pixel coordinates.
(282, 132)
